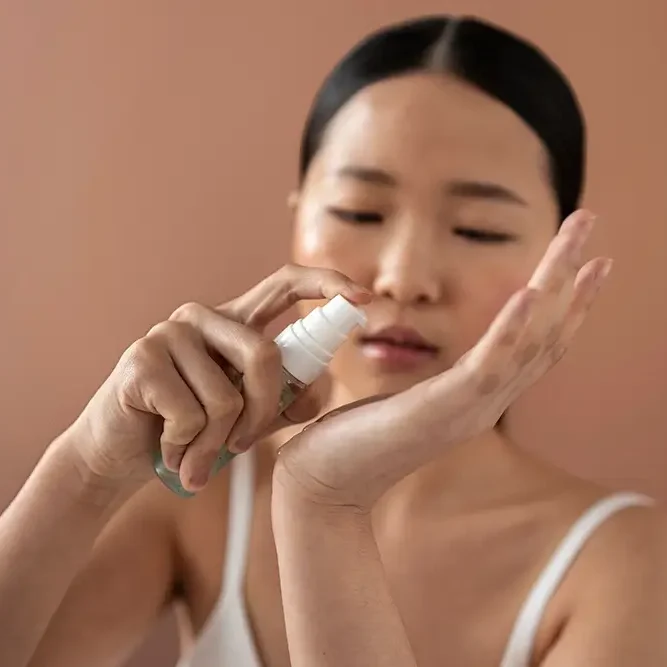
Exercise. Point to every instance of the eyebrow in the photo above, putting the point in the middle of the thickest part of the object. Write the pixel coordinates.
(483, 190)
(463, 189)
(368, 175)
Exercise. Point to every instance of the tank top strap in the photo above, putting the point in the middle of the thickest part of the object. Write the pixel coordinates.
(241, 507)
(522, 639)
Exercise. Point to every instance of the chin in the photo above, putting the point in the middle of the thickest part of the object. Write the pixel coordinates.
(360, 377)
(397, 382)
(358, 384)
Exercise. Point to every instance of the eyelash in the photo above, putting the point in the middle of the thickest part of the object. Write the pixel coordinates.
(468, 233)
(482, 236)
(358, 217)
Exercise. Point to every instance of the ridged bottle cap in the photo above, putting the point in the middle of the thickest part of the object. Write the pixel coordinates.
(308, 345)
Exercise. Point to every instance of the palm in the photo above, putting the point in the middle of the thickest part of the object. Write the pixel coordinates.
(357, 453)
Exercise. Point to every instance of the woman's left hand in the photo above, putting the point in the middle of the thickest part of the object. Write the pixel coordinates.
(353, 455)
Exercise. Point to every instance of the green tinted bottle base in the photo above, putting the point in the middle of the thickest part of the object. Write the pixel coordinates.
(173, 482)
(291, 388)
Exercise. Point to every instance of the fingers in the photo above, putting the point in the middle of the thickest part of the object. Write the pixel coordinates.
(202, 355)
(587, 285)
(308, 404)
(221, 402)
(505, 344)
(152, 384)
(535, 328)
(561, 261)
(256, 358)
(277, 293)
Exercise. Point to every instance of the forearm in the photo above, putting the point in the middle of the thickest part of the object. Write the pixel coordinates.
(46, 536)
(338, 608)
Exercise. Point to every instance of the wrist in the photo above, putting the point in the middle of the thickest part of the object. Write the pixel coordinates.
(295, 509)
(76, 479)
(313, 496)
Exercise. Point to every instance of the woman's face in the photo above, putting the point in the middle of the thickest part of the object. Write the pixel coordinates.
(437, 198)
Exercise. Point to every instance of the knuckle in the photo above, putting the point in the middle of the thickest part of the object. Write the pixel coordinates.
(170, 329)
(289, 272)
(188, 312)
(228, 407)
(288, 277)
(332, 277)
(139, 368)
(334, 274)
(143, 356)
(189, 424)
(264, 353)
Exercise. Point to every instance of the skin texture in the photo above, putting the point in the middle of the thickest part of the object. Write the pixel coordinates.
(373, 532)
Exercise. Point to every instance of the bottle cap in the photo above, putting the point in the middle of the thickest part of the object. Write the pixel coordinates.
(308, 345)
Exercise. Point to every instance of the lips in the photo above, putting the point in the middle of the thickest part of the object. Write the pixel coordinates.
(400, 336)
(397, 348)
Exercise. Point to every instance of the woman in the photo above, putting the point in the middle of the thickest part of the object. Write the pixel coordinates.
(437, 162)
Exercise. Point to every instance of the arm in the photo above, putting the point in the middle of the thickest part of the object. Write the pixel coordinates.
(352, 457)
(339, 611)
(168, 393)
(337, 604)
(67, 597)
(620, 615)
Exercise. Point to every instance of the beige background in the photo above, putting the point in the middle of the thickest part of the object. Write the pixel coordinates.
(146, 150)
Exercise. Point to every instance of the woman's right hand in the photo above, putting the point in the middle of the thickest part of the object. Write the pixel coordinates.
(174, 388)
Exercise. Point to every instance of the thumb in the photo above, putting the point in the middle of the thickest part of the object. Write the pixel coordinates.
(308, 405)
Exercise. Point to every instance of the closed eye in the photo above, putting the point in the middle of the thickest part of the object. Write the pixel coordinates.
(483, 236)
(359, 217)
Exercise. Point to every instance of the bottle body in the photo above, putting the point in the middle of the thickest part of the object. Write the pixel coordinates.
(291, 388)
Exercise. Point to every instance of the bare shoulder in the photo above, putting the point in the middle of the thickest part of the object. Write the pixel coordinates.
(619, 578)
(613, 603)
(628, 548)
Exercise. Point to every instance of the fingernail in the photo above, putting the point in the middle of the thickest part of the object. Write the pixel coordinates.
(223, 458)
(590, 223)
(583, 225)
(587, 225)
(605, 269)
(238, 446)
(174, 456)
(358, 290)
(198, 481)
(209, 469)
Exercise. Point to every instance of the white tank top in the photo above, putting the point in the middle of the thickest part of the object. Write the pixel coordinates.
(227, 638)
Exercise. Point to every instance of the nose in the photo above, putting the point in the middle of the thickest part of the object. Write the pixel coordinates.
(409, 267)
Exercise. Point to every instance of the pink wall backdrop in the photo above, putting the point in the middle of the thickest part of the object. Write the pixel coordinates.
(146, 151)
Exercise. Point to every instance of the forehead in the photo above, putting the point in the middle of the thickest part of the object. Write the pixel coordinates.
(429, 126)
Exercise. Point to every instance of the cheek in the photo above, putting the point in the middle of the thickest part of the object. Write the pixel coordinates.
(486, 288)
(331, 245)
(500, 292)
(484, 300)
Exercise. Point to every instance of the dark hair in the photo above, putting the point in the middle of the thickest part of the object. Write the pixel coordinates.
(505, 67)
